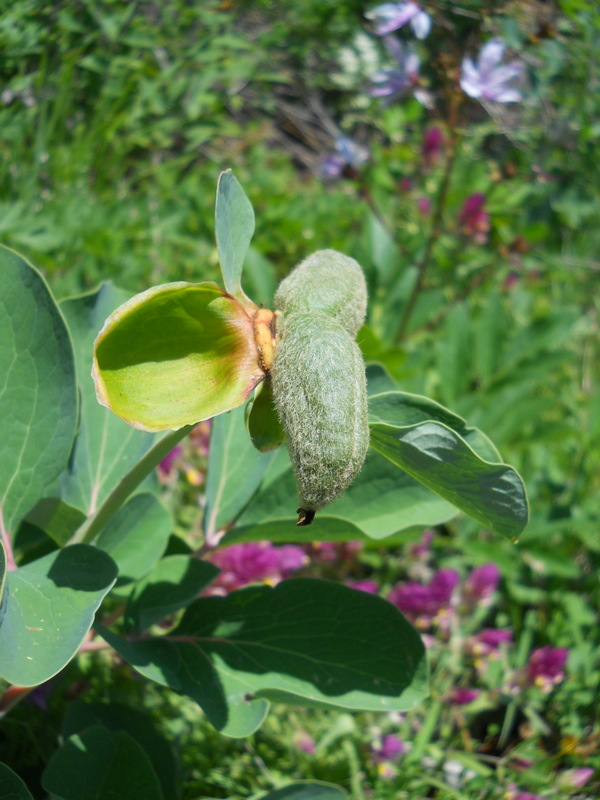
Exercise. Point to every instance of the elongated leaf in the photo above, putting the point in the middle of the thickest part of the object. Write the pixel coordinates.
(235, 470)
(174, 583)
(234, 226)
(118, 717)
(306, 790)
(50, 608)
(305, 641)
(263, 425)
(97, 764)
(174, 355)
(440, 459)
(11, 786)
(136, 536)
(38, 394)
(381, 502)
(106, 448)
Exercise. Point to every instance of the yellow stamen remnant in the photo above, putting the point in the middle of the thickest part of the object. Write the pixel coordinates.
(264, 322)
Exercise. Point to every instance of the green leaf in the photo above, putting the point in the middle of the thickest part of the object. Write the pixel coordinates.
(97, 764)
(436, 456)
(235, 470)
(11, 786)
(263, 425)
(56, 518)
(381, 502)
(234, 227)
(137, 536)
(378, 379)
(305, 641)
(106, 448)
(118, 717)
(306, 790)
(174, 583)
(50, 608)
(38, 393)
(3, 586)
(174, 355)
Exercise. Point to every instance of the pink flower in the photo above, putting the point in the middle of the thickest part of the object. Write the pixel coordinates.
(389, 748)
(515, 794)
(305, 742)
(574, 778)
(422, 604)
(546, 667)
(481, 584)
(424, 206)
(255, 562)
(473, 219)
(460, 696)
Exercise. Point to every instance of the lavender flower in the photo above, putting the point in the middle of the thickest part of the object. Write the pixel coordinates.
(390, 17)
(394, 82)
(488, 80)
(348, 154)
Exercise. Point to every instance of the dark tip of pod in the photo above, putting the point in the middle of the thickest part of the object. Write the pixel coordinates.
(305, 516)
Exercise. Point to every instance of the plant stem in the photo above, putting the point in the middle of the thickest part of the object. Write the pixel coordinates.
(434, 235)
(10, 559)
(94, 524)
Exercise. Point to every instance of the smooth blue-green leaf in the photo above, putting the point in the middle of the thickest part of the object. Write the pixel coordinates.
(234, 227)
(305, 641)
(38, 393)
(11, 786)
(139, 725)
(106, 448)
(379, 380)
(306, 790)
(381, 502)
(56, 518)
(436, 456)
(174, 583)
(50, 607)
(235, 470)
(137, 535)
(98, 764)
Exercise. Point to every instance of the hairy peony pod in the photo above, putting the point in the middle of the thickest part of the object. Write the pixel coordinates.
(319, 388)
(329, 283)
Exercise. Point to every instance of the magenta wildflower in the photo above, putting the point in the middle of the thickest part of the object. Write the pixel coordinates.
(389, 17)
(514, 794)
(305, 742)
(166, 465)
(481, 584)
(400, 80)
(546, 667)
(488, 80)
(460, 696)
(432, 145)
(474, 220)
(255, 562)
(422, 604)
(424, 206)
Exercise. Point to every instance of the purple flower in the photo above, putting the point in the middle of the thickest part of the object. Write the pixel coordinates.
(460, 696)
(488, 80)
(424, 206)
(388, 748)
(169, 460)
(422, 603)
(348, 154)
(432, 145)
(394, 82)
(255, 562)
(474, 219)
(546, 667)
(305, 742)
(481, 584)
(389, 17)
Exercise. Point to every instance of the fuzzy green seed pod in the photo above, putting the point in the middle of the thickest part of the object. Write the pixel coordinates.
(329, 283)
(319, 388)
